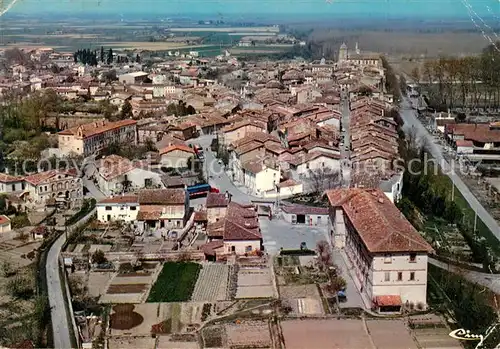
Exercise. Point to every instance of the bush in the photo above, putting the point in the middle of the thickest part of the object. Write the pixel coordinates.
(20, 221)
(98, 257)
(88, 205)
(20, 287)
(305, 252)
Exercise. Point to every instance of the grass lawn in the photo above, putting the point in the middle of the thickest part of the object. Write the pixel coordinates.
(175, 282)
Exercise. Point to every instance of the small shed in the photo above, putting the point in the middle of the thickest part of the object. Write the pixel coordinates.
(302, 214)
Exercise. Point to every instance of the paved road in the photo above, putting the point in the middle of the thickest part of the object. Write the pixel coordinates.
(93, 191)
(218, 177)
(491, 281)
(345, 155)
(60, 323)
(411, 122)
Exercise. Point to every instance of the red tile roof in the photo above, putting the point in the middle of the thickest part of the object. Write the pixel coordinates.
(179, 147)
(5, 178)
(162, 197)
(4, 219)
(302, 209)
(124, 199)
(42, 177)
(113, 166)
(240, 224)
(216, 200)
(97, 127)
(388, 301)
(378, 222)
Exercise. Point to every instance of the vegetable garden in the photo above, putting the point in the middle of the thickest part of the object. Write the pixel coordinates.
(175, 282)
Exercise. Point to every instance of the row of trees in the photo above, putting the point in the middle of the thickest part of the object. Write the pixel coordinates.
(472, 81)
(86, 56)
(426, 193)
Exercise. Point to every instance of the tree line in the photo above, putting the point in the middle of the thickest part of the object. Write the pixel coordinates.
(92, 58)
(471, 81)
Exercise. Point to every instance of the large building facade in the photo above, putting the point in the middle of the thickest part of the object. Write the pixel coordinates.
(93, 137)
(386, 255)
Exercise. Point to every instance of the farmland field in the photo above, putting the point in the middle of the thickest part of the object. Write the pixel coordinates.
(227, 29)
(153, 46)
(175, 282)
(212, 283)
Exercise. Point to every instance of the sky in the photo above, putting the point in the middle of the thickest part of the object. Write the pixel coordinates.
(213, 8)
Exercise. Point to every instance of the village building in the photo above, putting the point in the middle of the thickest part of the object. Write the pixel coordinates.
(176, 156)
(162, 208)
(118, 208)
(54, 185)
(387, 256)
(117, 175)
(93, 137)
(237, 232)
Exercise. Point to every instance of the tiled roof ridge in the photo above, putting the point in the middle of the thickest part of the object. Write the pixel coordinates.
(228, 219)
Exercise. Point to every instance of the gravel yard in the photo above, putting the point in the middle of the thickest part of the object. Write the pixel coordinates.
(212, 283)
(248, 334)
(299, 291)
(342, 334)
(255, 283)
(390, 334)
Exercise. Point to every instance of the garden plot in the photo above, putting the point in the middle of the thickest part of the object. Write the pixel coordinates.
(127, 289)
(255, 283)
(175, 283)
(248, 335)
(212, 283)
(131, 343)
(159, 318)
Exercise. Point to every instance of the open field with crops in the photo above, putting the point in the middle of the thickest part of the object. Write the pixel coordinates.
(227, 29)
(175, 282)
(212, 283)
(152, 46)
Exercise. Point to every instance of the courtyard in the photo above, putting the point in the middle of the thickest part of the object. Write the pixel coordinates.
(278, 233)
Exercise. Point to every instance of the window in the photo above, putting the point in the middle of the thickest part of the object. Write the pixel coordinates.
(387, 259)
(13, 187)
(400, 276)
(413, 257)
(108, 208)
(307, 165)
(133, 208)
(412, 276)
(387, 276)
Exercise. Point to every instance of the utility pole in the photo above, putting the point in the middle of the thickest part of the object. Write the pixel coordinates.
(475, 221)
(452, 191)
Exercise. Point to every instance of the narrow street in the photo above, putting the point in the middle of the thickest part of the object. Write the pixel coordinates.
(345, 144)
(58, 309)
(411, 122)
(218, 178)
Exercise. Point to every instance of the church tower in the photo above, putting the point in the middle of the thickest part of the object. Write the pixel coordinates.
(343, 54)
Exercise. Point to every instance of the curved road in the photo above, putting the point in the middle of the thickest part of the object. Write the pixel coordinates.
(58, 308)
(411, 122)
